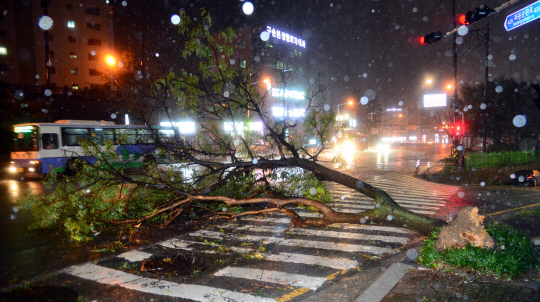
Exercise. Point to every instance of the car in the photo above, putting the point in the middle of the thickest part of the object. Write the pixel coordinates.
(525, 177)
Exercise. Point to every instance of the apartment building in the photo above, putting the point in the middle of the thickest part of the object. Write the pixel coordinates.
(80, 38)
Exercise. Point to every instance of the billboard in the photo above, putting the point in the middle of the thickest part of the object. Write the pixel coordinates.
(434, 100)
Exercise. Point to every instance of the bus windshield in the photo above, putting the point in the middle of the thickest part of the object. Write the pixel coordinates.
(25, 138)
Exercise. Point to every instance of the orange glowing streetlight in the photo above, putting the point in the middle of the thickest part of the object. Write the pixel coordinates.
(449, 86)
(350, 102)
(111, 61)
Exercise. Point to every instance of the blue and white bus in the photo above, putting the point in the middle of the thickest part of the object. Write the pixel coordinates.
(40, 147)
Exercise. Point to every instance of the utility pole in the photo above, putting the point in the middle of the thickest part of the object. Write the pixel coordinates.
(45, 5)
(486, 89)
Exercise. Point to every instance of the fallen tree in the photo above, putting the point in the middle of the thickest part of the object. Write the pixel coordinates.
(212, 174)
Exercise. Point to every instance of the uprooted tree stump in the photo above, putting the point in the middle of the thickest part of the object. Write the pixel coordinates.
(466, 228)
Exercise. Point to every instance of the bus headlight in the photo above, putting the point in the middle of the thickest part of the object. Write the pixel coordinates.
(12, 169)
(349, 150)
(31, 169)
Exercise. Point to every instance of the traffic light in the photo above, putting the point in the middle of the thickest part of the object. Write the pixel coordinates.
(431, 38)
(477, 14)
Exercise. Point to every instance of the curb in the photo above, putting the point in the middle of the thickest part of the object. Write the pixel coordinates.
(384, 284)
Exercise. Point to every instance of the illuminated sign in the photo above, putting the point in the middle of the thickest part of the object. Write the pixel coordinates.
(253, 126)
(24, 129)
(288, 94)
(285, 37)
(434, 100)
(393, 109)
(280, 112)
(183, 127)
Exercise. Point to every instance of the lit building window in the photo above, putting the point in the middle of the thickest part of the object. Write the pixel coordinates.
(75, 86)
(3, 51)
(71, 24)
(74, 71)
(72, 55)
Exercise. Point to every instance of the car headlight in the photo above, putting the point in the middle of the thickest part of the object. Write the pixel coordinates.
(12, 169)
(34, 162)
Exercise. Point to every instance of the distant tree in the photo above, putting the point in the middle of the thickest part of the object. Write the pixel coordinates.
(216, 174)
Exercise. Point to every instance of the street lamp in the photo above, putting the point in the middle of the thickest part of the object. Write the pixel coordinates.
(350, 102)
(429, 81)
(111, 61)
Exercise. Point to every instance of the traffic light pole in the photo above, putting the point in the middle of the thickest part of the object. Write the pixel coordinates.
(486, 79)
(455, 86)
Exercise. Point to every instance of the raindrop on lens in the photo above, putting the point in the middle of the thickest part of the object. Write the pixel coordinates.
(312, 191)
(265, 36)
(255, 161)
(461, 194)
(342, 197)
(412, 254)
(113, 116)
(483, 106)
(175, 19)
(400, 103)
(362, 220)
(326, 107)
(247, 8)
(512, 57)
(483, 184)
(390, 217)
(232, 61)
(519, 121)
(499, 89)
(124, 3)
(463, 30)
(45, 22)
(460, 148)
(226, 94)
(47, 92)
(224, 209)
(490, 57)
(364, 100)
(19, 95)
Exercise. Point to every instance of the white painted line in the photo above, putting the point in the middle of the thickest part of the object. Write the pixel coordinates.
(272, 277)
(312, 232)
(380, 288)
(195, 292)
(287, 220)
(176, 243)
(134, 256)
(354, 206)
(345, 247)
(337, 263)
(348, 226)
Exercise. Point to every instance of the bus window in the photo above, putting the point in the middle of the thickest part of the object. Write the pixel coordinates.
(126, 136)
(49, 140)
(25, 138)
(146, 136)
(100, 136)
(71, 136)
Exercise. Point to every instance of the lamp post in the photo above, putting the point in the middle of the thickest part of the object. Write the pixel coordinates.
(350, 102)
(111, 61)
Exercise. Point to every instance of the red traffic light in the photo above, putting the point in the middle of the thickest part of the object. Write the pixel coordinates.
(463, 20)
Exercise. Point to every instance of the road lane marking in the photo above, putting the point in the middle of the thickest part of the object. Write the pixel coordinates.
(278, 277)
(134, 256)
(292, 295)
(345, 247)
(195, 292)
(318, 233)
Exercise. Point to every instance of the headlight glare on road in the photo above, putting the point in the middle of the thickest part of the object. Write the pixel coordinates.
(349, 151)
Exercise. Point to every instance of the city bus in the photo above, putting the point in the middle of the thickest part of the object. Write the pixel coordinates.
(40, 147)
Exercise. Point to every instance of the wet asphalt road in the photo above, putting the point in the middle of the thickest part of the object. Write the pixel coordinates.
(26, 254)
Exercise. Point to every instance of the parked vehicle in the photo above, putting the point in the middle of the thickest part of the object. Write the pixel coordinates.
(525, 177)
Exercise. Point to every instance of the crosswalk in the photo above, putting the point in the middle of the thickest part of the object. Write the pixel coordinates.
(264, 258)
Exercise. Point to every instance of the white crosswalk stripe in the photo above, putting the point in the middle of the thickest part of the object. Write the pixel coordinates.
(338, 244)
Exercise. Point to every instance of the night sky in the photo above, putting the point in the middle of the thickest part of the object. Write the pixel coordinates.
(369, 44)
